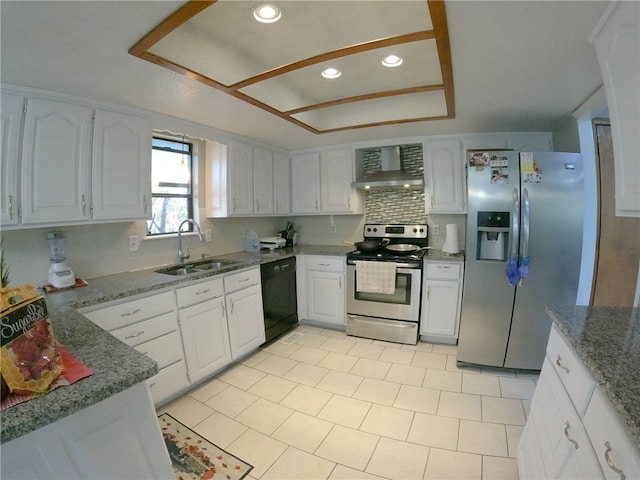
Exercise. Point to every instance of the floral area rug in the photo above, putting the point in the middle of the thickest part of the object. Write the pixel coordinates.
(195, 458)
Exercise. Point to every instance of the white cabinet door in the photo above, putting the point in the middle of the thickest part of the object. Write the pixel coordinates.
(336, 175)
(281, 184)
(205, 338)
(305, 183)
(440, 308)
(618, 48)
(240, 180)
(262, 181)
(245, 320)
(121, 167)
(443, 166)
(56, 157)
(12, 108)
(326, 297)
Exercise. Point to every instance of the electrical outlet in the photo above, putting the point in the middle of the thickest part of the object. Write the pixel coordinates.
(436, 229)
(333, 228)
(133, 243)
(208, 233)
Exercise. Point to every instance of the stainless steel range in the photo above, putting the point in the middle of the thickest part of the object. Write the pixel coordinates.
(384, 283)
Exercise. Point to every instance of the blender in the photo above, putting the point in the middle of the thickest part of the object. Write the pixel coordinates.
(60, 274)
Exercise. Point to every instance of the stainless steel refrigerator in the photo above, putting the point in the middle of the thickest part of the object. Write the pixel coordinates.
(523, 252)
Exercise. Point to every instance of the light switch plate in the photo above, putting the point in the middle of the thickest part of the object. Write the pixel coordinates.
(208, 233)
(133, 243)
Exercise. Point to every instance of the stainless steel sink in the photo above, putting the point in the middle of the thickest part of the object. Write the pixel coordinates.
(196, 267)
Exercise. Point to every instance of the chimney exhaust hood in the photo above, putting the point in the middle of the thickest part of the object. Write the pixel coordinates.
(392, 177)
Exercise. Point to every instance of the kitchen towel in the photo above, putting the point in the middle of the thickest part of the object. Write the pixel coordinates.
(451, 242)
(375, 277)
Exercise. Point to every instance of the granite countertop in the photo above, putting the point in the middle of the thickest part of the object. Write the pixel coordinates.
(439, 256)
(607, 339)
(116, 365)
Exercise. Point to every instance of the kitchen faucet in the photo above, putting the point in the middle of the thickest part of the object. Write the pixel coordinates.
(182, 255)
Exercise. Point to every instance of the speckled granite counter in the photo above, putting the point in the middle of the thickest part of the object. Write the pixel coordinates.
(607, 339)
(116, 365)
(439, 256)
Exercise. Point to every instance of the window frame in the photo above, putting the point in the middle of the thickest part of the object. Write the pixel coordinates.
(190, 196)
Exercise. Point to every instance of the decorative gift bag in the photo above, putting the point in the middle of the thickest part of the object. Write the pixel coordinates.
(29, 355)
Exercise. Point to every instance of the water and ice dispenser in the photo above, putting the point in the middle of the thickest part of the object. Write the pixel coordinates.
(493, 233)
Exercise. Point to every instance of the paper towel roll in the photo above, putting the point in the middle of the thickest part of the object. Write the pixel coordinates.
(451, 242)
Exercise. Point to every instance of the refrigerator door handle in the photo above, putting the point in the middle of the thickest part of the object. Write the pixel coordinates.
(514, 240)
(523, 263)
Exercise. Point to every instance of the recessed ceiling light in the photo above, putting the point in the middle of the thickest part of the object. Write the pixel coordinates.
(331, 72)
(267, 13)
(392, 61)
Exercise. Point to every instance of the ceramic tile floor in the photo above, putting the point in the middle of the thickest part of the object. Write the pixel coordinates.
(330, 406)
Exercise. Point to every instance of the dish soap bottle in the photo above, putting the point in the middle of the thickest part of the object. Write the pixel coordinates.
(251, 242)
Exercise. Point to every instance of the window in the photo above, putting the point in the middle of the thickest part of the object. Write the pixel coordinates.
(172, 185)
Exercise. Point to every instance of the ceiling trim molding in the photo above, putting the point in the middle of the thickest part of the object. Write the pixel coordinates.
(439, 33)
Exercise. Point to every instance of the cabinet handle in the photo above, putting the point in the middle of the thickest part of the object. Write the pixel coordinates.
(566, 434)
(224, 308)
(134, 335)
(244, 280)
(316, 204)
(83, 204)
(232, 306)
(324, 264)
(257, 205)
(428, 292)
(202, 292)
(277, 206)
(144, 203)
(234, 204)
(431, 200)
(152, 384)
(11, 207)
(128, 314)
(612, 466)
(559, 363)
(340, 283)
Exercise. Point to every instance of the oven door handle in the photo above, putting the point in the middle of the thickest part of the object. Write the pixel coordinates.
(408, 266)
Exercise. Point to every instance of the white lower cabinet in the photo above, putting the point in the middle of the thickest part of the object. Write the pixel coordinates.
(192, 332)
(245, 317)
(150, 325)
(321, 282)
(572, 431)
(118, 437)
(205, 338)
(441, 301)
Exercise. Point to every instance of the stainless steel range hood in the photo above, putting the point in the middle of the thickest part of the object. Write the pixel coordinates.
(392, 177)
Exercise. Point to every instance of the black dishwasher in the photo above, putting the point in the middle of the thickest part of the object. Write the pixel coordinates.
(279, 298)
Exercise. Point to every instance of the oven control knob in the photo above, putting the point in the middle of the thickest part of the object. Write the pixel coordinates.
(375, 229)
(415, 230)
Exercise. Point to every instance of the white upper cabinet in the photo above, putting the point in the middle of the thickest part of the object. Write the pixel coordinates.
(262, 181)
(617, 42)
(240, 181)
(443, 169)
(336, 176)
(524, 142)
(12, 109)
(121, 167)
(281, 184)
(305, 183)
(321, 183)
(248, 181)
(56, 159)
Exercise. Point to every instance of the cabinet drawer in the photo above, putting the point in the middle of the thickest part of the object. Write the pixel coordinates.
(327, 264)
(240, 280)
(199, 292)
(575, 377)
(144, 331)
(448, 271)
(610, 440)
(164, 350)
(168, 382)
(110, 318)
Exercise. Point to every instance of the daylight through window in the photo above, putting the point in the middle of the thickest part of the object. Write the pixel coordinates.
(172, 185)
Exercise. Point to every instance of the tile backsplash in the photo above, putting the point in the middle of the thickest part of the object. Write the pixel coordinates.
(397, 206)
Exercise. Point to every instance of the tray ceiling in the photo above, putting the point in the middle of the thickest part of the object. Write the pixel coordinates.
(278, 66)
